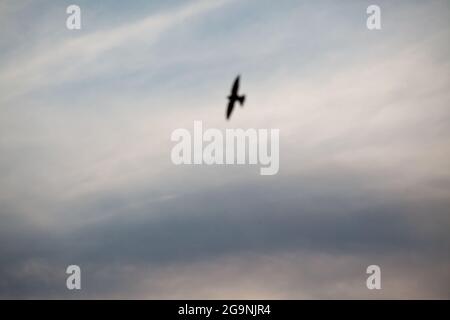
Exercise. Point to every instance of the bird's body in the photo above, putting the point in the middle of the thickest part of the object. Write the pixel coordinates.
(234, 96)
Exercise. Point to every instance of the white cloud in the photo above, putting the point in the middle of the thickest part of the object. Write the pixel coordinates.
(76, 58)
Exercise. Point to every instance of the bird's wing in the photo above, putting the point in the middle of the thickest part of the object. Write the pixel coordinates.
(230, 108)
(235, 88)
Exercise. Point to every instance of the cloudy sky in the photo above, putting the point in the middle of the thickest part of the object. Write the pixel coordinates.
(86, 176)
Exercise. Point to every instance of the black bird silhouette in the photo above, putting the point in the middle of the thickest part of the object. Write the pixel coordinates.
(233, 97)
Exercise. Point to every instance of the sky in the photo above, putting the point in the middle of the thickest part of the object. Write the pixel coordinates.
(86, 176)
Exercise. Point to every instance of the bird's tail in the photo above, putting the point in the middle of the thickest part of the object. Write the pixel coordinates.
(241, 100)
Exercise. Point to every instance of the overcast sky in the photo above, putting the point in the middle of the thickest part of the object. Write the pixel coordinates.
(86, 176)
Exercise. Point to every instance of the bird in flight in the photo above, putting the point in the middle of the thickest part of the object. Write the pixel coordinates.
(233, 97)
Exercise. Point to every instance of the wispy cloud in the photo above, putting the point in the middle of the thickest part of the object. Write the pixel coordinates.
(78, 57)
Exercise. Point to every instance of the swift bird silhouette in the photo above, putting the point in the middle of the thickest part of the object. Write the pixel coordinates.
(233, 97)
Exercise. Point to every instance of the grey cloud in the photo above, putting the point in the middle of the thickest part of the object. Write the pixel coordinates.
(247, 222)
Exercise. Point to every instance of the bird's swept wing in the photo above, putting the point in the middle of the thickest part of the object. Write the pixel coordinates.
(230, 108)
(235, 88)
